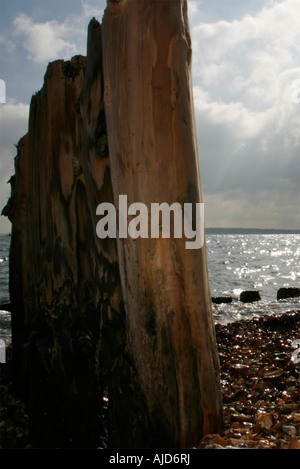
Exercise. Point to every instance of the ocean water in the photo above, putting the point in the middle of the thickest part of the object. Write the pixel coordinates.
(235, 262)
(5, 333)
(253, 262)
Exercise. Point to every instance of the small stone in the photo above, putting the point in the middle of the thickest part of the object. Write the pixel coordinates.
(236, 425)
(265, 421)
(213, 446)
(249, 296)
(290, 292)
(273, 374)
(221, 299)
(260, 386)
(241, 418)
(296, 417)
(240, 393)
(294, 443)
(218, 440)
(240, 369)
(289, 430)
(287, 408)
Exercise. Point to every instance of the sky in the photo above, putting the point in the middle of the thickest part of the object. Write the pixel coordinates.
(246, 83)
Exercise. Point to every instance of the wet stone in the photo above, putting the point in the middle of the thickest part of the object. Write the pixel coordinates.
(289, 430)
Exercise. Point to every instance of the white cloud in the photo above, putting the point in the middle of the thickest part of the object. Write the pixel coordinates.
(194, 8)
(51, 40)
(248, 55)
(45, 41)
(248, 127)
(235, 116)
(91, 9)
(13, 125)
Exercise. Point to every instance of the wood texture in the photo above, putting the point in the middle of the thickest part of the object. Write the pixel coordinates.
(68, 317)
(127, 421)
(153, 154)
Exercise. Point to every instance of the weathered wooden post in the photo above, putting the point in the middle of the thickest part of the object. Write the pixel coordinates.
(154, 159)
(128, 317)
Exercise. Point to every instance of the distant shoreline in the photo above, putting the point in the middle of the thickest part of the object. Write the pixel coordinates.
(248, 231)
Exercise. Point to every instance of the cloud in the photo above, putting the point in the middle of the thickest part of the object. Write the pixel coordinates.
(45, 41)
(13, 125)
(245, 57)
(262, 209)
(51, 40)
(234, 115)
(247, 123)
(91, 9)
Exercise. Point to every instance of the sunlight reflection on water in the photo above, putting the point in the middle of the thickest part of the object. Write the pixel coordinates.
(253, 262)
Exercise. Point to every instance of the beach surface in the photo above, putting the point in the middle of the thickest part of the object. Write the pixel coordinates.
(260, 378)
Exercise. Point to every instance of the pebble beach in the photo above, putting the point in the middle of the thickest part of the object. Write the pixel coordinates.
(260, 379)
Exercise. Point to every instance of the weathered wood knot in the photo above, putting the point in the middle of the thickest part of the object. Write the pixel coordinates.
(102, 146)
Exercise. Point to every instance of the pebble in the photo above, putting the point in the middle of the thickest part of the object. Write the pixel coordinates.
(296, 417)
(213, 446)
(289, 430)
(260, 384)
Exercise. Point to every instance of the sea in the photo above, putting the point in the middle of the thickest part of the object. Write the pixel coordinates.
(236, 262)
(5, 317)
